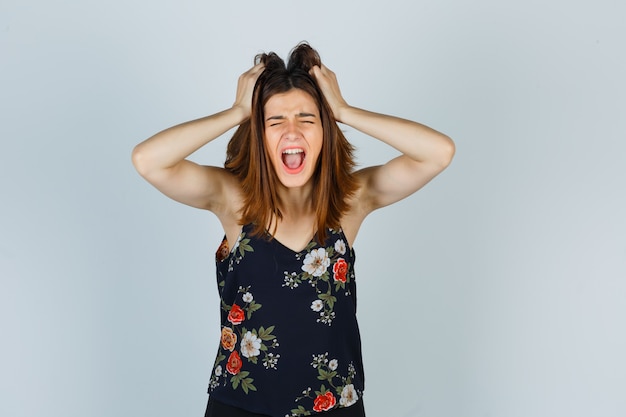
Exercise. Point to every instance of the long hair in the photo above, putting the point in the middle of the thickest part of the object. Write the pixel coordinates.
(246, 156)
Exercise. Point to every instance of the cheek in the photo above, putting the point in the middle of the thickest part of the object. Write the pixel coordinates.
(269, 143)
(319, 141)
(270, 152)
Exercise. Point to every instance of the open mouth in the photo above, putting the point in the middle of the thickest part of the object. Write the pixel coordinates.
(293, 160)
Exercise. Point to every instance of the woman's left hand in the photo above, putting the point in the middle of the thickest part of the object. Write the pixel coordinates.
(327, 81)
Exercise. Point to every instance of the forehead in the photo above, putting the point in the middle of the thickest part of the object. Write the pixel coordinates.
(294, 100)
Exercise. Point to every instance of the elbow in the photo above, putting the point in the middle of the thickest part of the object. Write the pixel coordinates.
(446, 152)
(139, 160)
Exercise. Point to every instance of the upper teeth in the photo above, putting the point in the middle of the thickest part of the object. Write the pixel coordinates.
(293, 151)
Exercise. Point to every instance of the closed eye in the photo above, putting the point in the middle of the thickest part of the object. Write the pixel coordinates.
(274, 120)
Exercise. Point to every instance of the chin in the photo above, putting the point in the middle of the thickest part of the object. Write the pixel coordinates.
(295, 181)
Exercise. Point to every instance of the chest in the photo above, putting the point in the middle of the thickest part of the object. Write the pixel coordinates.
(295, 238)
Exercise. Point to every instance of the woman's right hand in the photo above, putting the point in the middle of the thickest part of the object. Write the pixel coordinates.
(245, 88)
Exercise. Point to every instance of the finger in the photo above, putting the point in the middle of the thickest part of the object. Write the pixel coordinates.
(255, 70)
(325, 70)
(322, 72)
(258, 67)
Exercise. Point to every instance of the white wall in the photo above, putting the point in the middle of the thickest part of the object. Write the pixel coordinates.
(498, 290)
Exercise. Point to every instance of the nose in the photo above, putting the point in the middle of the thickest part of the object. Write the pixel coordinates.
(291, 130)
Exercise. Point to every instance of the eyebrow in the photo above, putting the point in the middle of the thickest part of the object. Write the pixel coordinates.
(283, 117)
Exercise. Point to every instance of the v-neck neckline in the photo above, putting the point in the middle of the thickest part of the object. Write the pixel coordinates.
(294, 251)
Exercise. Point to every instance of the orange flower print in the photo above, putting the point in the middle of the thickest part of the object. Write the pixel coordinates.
(229, 338)
(233, 366)
(324, 402)
(340, 269)
(222, 251)
(236, 314)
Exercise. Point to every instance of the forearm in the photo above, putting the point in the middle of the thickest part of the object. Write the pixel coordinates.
(167, 148)
(416, 141)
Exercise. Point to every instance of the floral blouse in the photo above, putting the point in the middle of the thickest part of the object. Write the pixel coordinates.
(290, 343)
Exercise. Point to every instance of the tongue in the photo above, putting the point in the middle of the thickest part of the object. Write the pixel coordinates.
(293, 161)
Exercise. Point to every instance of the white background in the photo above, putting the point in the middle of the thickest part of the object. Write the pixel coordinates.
(499, 290)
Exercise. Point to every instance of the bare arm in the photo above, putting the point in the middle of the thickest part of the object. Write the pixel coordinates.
(161, 158)
(425, 152)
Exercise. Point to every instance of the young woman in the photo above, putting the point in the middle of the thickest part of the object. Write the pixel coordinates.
(291, 206)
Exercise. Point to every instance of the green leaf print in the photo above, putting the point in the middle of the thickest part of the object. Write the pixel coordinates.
(329, 299)
(322, 390)
(246, 385)
(266, 334)
(300, 411)
(219, 359)
(252, 308)
(244, 246)
(326, 376)
(236, 379)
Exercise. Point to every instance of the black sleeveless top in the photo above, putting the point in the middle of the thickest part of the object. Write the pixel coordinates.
(290, 343)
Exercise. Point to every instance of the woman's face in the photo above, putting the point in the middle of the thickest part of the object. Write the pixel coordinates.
(293, 136)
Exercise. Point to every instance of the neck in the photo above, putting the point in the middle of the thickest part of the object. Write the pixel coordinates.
(298, 223)
(296, 202)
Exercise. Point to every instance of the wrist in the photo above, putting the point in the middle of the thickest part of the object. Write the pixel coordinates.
(239, 113)
(342, 113)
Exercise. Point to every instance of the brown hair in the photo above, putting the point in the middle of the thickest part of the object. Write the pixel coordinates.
(333, 180)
